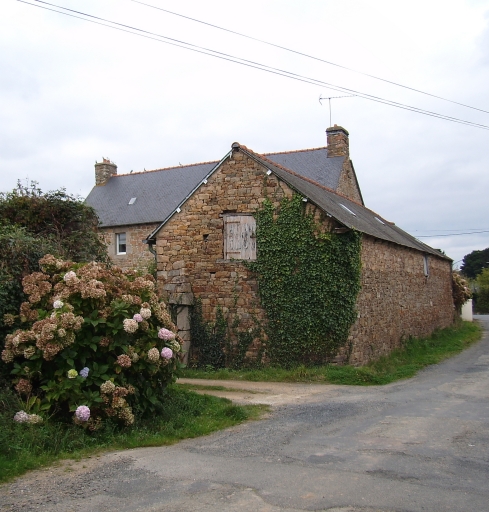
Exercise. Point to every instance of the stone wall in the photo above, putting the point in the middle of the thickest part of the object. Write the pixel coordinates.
(190, 246)
(137, 254)
(397, 300)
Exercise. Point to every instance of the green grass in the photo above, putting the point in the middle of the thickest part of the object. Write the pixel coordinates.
(25, 447)
(400, 364)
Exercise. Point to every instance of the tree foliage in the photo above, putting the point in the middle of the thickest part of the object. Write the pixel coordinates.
(474, 262)
(482, 294)
(63, 219)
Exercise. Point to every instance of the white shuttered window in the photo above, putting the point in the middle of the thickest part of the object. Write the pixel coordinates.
(239, 237)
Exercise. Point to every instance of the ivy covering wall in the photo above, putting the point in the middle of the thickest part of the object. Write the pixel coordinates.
(308, 283)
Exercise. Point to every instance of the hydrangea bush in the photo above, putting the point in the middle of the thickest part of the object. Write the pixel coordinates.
(94, 342)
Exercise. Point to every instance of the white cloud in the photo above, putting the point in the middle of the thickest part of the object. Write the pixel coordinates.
(72, 92)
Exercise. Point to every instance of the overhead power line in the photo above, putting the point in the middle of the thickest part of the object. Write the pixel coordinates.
(308, 56)
(452, 234)
(238, 60)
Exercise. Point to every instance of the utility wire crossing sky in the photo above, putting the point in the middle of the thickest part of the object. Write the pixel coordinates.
(72, 91)
(263, 67)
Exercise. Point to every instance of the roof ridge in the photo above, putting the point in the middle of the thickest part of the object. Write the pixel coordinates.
(309, 180)
(165, 168)
(292, 151)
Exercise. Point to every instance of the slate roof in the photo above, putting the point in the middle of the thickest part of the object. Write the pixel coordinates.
(348, 213)
(311, 163)
(157, 194)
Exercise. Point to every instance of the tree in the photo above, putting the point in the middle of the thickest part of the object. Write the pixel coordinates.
(474, 263)
(68, 223)
(482, 295)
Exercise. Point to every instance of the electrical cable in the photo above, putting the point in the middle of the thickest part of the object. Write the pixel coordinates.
(438, 230)
(238, 60)
(451, 234)
(307, 55)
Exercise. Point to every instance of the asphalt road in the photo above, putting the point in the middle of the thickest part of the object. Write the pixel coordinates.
(417, 445)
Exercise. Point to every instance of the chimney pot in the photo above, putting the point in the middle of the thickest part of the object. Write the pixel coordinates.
(104, 170)
(337, 141)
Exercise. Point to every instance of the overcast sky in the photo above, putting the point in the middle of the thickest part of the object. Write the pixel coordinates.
(72, 92)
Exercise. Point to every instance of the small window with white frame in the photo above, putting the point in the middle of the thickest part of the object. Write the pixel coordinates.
(120, 243)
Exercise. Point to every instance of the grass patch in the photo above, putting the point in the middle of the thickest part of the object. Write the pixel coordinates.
(25, 447)
(403, 363)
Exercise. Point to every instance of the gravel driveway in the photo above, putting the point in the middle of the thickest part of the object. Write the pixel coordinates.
(416, 445)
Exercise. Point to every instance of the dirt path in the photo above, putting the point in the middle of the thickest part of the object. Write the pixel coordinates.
(269, 393)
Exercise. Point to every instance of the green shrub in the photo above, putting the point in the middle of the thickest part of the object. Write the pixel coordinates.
(92, 339)
(19, 256)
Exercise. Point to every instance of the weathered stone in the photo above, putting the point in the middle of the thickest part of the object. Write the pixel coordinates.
(186, 299)
(183, 319)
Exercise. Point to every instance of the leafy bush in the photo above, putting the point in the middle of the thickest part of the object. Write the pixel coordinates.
(19, 256)
(32, 224)
(94, 341)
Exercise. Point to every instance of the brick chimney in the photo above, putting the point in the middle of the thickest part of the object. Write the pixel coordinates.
(104, 170)
(338, 142)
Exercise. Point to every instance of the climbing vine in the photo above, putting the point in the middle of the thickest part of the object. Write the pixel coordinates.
(208, 338)
(308, 283)
(222, 343)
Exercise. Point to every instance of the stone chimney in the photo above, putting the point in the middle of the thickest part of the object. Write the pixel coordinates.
(104, 170)
(338, 142)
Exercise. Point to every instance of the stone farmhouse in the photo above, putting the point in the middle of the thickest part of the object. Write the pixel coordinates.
(197, 222)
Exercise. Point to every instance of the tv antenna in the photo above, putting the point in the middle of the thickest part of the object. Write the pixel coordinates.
(329, 98)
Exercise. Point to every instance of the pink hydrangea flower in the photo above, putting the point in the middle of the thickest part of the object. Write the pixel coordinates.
(167, 353)
(83, 413)
(165, 334)
(137, 317)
